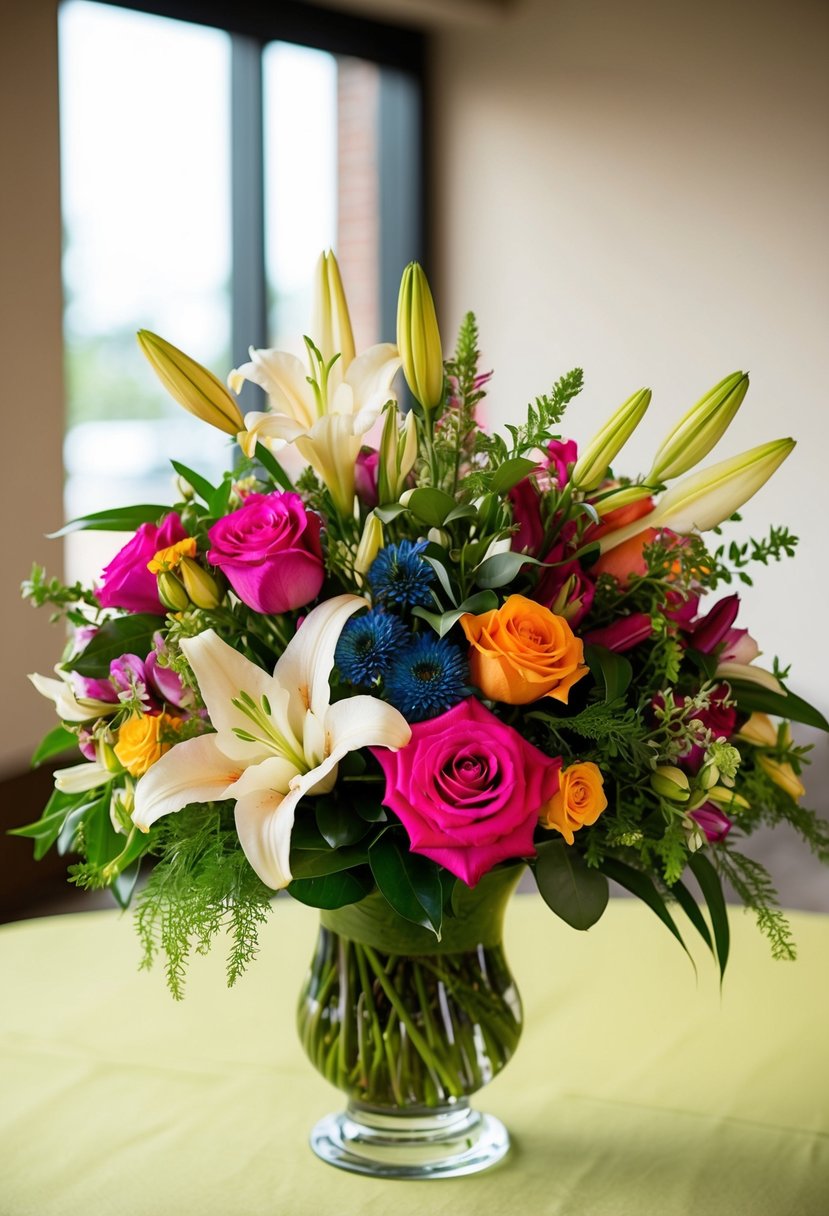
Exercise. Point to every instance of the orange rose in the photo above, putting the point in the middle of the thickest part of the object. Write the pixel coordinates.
(522, 651)
(143, 739)
(579, 802)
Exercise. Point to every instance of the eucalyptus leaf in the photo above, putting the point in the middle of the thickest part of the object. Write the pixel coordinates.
(574, 891)
(409, 882)
(121, 635)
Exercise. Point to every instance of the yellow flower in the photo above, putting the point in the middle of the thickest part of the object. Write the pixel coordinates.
(783, 775)
(579, 801)
(169, 558)
(759, 730)
(143, 739)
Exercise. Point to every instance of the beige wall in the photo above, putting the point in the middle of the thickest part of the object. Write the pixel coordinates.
(641, 189)
(30, 356)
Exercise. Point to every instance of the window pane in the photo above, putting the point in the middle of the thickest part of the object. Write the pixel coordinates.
(146, 212)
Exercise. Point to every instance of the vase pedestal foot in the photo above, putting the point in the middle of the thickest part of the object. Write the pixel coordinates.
(444, 1143)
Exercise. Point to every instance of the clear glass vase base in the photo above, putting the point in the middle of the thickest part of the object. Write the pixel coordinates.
(441, 1144)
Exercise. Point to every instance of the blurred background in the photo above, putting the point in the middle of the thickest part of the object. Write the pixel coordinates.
(636, 188)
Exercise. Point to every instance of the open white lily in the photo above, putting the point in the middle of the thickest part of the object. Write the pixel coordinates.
(278, 737)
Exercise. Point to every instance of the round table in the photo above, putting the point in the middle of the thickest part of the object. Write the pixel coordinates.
(638, 1087)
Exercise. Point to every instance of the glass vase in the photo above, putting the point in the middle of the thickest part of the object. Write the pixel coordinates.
(409, 1028)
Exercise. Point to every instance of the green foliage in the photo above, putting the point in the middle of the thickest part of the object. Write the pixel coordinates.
(734, 558)
(42, 590)
(574, 891)
(201, 886)
(752, 883)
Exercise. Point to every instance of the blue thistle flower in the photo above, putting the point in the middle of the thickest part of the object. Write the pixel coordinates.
(368, 645)
(427, 678)
(400, 575)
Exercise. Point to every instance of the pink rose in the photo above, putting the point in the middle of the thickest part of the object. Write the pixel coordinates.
(468, 789)
(270, 552)
(127, 583)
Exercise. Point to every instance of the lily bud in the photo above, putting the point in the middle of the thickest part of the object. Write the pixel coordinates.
(192, 385)
(670, 782)
(202, 587)
(171, 592)
(398, 453)
(704, 500)
(330, 320)
(418, 338)
(721, 795)
(759, 730)
(698, 431)
(783, 775)
(106, 756)
(604, 447)
(370, 544)
(623, 497)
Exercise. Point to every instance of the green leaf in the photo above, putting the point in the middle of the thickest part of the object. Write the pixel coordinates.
(339, 823)
(610, 669)
(510, 473)
(691, 909)
(115, 519)
(502, 568)
(101, 843)
(464, 511)
(442, 574)
(121, 635)
(58, 740)
(332, 890)
(409, 882)
(442, 622)
(125, 883)
(269, 462)
(751, 698)
(711, 887)
(574, 891)
(642, 887)
(388, 513)
(45, 831)
(217, 506)
(706, 663)
(316, 863)
(430, 506)
(200, 484)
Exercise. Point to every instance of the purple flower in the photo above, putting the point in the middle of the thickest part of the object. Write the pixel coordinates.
(713, 822)
(165, 682)
(365, 476)
(126, 581)
(270, 551)
(710, 630)
(128, 677)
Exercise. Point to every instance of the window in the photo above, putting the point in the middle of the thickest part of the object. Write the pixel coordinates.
(203, 170)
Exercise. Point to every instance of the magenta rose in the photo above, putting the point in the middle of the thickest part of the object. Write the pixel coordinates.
(468, 789)
(126, 581)
(270, 552)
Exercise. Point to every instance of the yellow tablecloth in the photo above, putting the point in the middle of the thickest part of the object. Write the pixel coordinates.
(636, 1090)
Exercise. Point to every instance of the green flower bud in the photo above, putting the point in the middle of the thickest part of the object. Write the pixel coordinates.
(604, 447)
(192, 385)
(670, 782)
(418, 338)
(203, 588)
(700, 429)
(171, 592)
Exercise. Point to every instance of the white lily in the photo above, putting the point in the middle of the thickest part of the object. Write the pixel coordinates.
(277, 737)
(79, 778)
(71, 708)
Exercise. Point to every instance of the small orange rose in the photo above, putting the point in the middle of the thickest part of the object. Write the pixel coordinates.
(579, 802)
(522, 651)
(143, 739)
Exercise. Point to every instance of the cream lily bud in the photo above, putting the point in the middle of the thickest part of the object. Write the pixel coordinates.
(192, 385)
(604, 447)
(705, 499)
(171, 592)
(398, 453)
(623, 497)
(330, 321)
(201, 586)
(670, 782)
(370, 544)
(700, 429)
(418, 338)
(759, 730)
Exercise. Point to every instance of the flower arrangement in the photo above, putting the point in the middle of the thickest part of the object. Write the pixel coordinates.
(435, 652)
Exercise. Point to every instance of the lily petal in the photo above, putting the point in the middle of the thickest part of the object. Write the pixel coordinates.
(351, 724)
(305, 666)
(69, 707)
(264, 822)
(196, 770)
(284, 378)
(79, 778)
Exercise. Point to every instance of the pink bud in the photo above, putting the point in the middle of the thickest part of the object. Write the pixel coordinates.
(713, 822)
(710, 630)
(623, 634)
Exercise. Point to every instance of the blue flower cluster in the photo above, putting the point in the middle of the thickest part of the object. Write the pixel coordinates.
(368, 645)
(428, 677)
(400, 575)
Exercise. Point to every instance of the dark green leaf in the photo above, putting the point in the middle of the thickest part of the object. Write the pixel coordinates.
(711, 887)
(67, 841)
(691, 909)
(706, 663)
(430, 506)
(482, 601)
(409, 882)
(58, 740)
(101, 843)
(125, 883)
(339, 823)
(269, 462)
(390, 512)
(332, 890)
(642, 887)
(501, 568)
(217, 505)
(753, 698)
(315, 863)
(464, 511)
(575, 892)
(609, 669)
(45, 831)
(115, 519)
(510, 473)
(442, 574)
(122, 635)
(200, 484)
